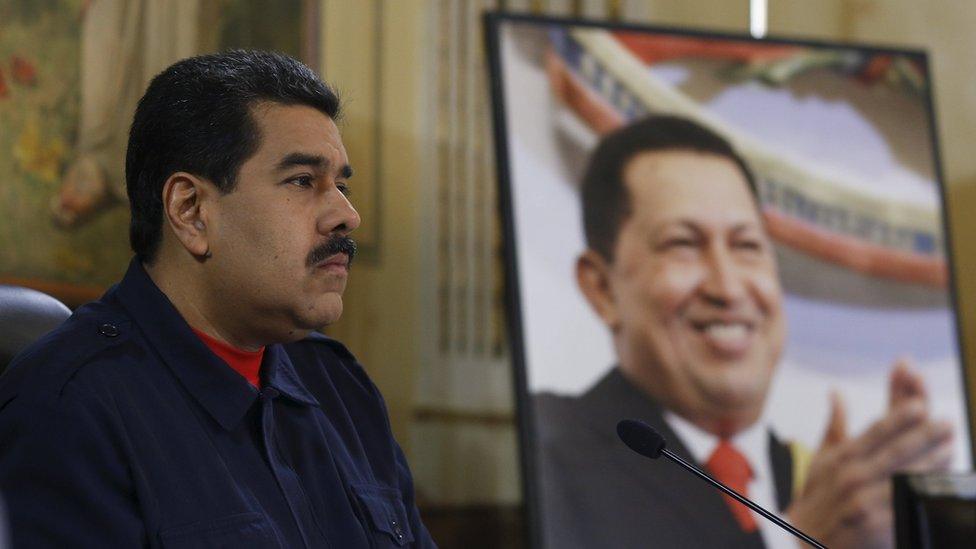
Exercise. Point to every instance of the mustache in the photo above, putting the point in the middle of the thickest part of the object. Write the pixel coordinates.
(334, 245)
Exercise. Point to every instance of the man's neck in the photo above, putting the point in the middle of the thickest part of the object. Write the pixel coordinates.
(752, 441)
(195, 305)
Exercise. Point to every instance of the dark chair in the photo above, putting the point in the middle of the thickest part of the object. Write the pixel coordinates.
(25, 316)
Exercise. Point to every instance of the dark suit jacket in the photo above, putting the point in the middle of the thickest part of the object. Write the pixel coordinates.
(594, 492)
(122, 429)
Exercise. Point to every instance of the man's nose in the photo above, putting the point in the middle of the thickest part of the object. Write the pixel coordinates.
(340, 216)
(724, 281)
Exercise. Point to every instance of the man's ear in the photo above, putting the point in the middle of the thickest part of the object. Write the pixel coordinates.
(184, 196)
(593, 279)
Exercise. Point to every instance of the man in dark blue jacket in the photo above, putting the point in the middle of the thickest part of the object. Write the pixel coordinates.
(193, 405)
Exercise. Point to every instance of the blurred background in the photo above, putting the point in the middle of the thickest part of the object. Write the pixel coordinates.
(424, 306)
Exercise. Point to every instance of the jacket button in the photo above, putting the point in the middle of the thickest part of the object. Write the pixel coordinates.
(108, 330)
(397, 530)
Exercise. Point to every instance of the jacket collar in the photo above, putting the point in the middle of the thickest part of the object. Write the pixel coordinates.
(221, 391)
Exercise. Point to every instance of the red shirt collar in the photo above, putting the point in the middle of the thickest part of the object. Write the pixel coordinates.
(246, 363)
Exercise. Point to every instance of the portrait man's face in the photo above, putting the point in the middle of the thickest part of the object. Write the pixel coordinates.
(290, 199)
(692, 295)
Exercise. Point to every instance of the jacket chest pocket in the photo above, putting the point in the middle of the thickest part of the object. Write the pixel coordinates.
(231, 532)
(385, 515)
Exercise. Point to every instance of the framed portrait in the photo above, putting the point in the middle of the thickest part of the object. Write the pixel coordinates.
(841, 141)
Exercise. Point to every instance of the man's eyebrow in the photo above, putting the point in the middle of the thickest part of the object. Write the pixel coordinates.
(693, 226)
(747, 226)
(678, 222)
(302, 159)
(312, 160)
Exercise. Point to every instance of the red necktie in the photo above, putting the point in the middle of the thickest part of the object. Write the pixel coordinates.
(731, 467)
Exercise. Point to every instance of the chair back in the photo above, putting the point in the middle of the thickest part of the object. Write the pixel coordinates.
(25, 316)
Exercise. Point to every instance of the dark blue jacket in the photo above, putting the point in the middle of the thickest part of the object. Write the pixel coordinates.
(122, 429)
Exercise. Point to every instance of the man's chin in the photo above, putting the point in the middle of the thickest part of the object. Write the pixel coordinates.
(739, 394)
(323, 312)
(732, 381)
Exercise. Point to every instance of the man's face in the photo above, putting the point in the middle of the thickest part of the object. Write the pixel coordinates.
(267, 235)
(696, 298)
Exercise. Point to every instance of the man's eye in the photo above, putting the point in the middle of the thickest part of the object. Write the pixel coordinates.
(752, 245)
(304, 181)
(344, 188)
(680, 243)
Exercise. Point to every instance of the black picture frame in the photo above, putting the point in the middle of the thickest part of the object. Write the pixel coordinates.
(493, 21)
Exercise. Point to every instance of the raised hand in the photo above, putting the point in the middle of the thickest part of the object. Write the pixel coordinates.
(846, 501)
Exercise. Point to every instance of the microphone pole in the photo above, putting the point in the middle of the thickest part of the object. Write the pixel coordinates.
(645, 440)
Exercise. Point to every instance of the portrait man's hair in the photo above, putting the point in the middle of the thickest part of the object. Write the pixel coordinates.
(605, 200)
(196, 117)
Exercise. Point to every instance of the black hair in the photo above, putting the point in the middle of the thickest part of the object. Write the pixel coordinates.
(196, 117)
(606, 202)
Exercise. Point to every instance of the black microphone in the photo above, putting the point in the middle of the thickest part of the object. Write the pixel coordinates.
(646, 441)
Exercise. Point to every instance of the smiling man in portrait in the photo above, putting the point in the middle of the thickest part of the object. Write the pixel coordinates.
(682, 272)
